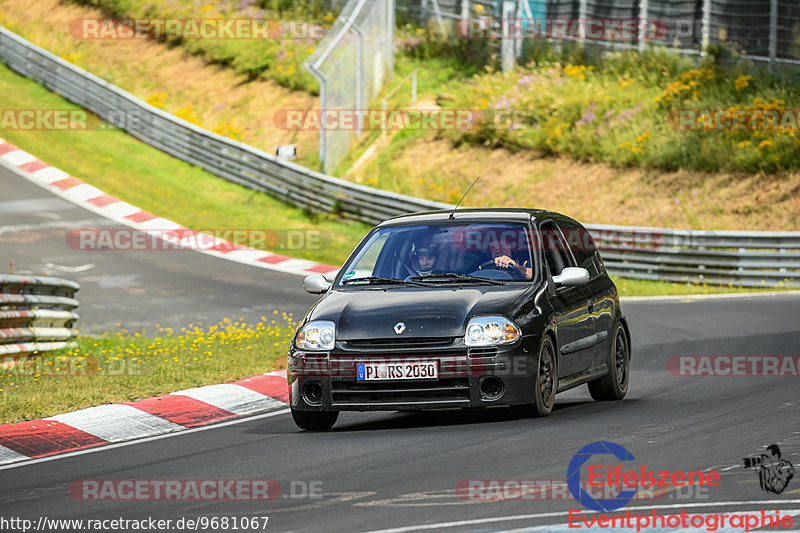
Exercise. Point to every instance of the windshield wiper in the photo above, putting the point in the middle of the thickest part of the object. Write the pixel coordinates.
(459, 277)
(379, 279)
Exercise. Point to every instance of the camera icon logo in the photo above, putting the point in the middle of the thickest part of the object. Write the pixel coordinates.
(774, 473)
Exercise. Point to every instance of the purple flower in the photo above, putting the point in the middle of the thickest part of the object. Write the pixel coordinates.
(588, 116)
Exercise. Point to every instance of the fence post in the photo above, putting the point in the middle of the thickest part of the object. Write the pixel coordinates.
(706, 27)
(414, 88)
(583, 10)
(464, 9)
(773, 34)
(390, 23)
(507, 58)
(643, 24)
(360, 89)
(323, 101)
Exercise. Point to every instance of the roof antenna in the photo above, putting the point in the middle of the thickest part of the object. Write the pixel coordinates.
(452, 215)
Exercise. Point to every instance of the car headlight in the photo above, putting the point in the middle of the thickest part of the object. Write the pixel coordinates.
(316, 335)
(490, 330)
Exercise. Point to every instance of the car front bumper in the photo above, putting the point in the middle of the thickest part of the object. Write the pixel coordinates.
(481, 377)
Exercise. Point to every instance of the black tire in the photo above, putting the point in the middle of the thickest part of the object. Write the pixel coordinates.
(315, 420)
(614, 385)
(545, 385)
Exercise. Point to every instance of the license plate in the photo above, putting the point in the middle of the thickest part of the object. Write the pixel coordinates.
(399, 370)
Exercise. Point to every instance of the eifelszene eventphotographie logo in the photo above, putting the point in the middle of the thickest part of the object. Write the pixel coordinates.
(629, 481)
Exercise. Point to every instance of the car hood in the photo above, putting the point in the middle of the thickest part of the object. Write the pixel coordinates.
(426, 312)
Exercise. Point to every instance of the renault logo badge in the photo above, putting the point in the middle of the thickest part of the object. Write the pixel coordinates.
(399, 328)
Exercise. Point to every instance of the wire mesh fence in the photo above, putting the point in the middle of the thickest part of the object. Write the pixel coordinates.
(767, 31)
(351, 63)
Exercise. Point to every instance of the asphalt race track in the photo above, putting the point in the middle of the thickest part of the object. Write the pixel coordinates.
(138, 289)
(398, 471)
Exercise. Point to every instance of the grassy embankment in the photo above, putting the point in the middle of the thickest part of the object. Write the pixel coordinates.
(126, 366)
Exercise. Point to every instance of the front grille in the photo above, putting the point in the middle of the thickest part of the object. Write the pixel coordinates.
(483, 351)
(445, 391)
(410, 342)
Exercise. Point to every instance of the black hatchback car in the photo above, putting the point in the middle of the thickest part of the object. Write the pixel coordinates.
(472, 308)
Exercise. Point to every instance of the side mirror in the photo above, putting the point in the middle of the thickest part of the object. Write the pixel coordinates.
(572, 277)
(317, 284)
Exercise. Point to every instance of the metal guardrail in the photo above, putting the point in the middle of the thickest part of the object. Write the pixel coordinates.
(36, 314)
(739, 258)
(219, 155)
(715, 257)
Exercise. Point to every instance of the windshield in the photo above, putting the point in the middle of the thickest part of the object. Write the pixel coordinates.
(443, 252)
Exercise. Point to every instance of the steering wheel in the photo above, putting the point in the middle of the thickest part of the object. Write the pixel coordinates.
(512, 271)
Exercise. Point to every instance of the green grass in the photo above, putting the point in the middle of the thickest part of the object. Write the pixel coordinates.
(638, 287)
(143, 176)
(126, 366)
(623, 109)
(277, 59)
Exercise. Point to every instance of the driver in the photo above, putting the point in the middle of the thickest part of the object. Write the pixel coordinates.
(502, 259)
(424, 256)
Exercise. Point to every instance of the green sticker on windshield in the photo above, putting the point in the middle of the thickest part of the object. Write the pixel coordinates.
(349, 275)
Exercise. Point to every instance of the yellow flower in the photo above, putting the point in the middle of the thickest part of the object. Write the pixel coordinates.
(743, 144)
(742, 82)
(478, 8)
(765, 144)
(156, 100)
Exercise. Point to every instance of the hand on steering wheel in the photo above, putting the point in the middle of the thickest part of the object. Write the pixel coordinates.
(504, 263)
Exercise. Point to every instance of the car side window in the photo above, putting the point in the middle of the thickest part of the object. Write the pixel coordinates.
(582, 245)
(555, 249)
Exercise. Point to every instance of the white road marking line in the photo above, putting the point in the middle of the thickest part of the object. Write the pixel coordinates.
(140, 441)
(34, 205)
(60, 224)
(700, 297)
(497, 519)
